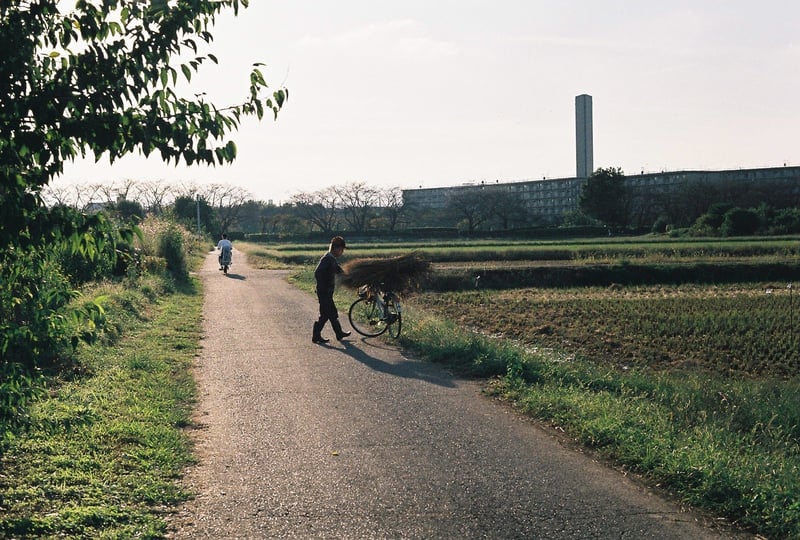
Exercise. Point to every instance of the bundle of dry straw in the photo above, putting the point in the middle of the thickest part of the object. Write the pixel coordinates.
(402, 273)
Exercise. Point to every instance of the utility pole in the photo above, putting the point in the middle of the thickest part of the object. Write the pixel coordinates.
(197, 199)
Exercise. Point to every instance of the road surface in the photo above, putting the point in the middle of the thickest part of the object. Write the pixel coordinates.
(357, 440)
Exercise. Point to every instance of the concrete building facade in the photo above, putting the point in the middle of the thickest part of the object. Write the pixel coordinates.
(546, 201)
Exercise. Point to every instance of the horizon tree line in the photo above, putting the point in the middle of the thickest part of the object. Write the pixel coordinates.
(358, 207)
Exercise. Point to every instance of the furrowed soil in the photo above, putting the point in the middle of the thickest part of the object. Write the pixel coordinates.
(745, 329)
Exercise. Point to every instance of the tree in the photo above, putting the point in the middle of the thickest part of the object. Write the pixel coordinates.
(605, 198)
(472, 206)
(102, 80)
(740, 222)
(318, 208)
(358, 202)
(227, 202)
(128, 210)
(392, 206)
(185, 209)
(507, 208)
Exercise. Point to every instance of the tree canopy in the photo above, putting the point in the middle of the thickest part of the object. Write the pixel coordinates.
(605, 198)
(101, 79)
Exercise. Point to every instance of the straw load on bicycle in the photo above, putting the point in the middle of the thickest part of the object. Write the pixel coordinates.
(403, 273)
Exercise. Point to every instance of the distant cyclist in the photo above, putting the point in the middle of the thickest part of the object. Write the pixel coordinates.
(226, 250)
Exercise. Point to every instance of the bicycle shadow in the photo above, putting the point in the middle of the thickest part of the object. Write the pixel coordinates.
(407, 369)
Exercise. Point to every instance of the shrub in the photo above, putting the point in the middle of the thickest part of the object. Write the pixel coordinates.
(171, 248)
(661, 225)
(18, 387)
(740, 222)
(33, 291)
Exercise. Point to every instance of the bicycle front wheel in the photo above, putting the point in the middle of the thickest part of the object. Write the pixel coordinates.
(394, 320)
(366, 318)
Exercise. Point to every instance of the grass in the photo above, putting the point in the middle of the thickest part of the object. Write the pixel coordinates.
(649, 249)
(106, 446)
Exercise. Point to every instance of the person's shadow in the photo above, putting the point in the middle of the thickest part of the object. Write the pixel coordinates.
(409, 369)
(235, 276)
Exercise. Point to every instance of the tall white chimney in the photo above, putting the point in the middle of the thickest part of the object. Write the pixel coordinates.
(583, 136)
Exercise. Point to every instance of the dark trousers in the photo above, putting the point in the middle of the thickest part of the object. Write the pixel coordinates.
(327, 309)
(327, 312)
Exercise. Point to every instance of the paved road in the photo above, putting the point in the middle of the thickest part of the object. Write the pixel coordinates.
(356, 440)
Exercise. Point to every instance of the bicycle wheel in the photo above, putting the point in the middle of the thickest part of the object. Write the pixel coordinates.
(366, 318)
(394, 320)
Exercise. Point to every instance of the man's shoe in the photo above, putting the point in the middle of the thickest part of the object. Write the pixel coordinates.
(343, 335)
(319, 339)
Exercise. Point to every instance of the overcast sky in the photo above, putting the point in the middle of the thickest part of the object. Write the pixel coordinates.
(433, 93)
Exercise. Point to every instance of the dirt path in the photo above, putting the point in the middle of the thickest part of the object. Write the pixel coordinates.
(355, 440)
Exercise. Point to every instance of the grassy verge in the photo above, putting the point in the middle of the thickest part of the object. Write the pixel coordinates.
(105, 447)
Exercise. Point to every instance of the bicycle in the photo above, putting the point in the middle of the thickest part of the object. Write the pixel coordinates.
(376, 311)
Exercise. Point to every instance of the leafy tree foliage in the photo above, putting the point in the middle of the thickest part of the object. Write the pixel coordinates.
(129, 210)
(604, 197)
(740, 222)
(185, 210)
(785, 221)
(102, 80)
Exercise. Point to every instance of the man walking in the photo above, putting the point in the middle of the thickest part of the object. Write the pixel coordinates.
(325, 275)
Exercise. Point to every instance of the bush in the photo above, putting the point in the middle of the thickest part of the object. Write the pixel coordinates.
(81, 269)
(130, 210)
(171, 248)
(18, 387)
(786, 221)
(661, 225)
(33, 292)
(740, 222)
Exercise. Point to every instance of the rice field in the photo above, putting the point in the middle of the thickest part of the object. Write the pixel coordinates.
(743, 329)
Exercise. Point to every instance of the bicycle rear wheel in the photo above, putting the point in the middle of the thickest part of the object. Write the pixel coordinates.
(394, 320)
(366, 318)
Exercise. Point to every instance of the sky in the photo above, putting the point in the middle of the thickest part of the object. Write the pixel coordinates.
(434, 93)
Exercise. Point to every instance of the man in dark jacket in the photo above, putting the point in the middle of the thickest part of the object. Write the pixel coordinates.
(325, 274)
